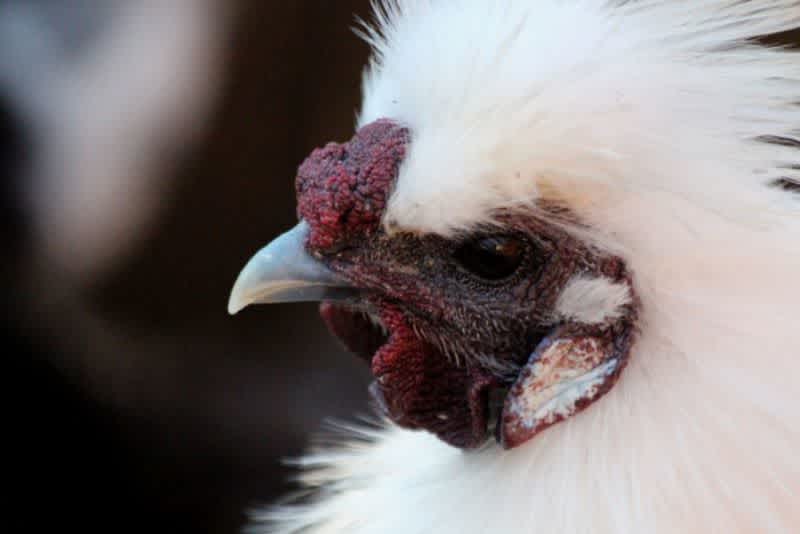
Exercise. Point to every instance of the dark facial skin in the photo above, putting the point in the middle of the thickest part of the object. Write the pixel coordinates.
(460, 335)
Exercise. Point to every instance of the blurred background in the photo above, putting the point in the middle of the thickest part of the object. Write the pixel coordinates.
(147, 149)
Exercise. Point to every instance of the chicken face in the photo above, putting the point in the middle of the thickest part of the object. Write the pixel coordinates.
(507, 330)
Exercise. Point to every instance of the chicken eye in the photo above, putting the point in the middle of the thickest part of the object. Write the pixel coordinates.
(491, 258)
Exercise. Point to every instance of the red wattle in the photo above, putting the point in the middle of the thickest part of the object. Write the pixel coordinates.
(422, 389)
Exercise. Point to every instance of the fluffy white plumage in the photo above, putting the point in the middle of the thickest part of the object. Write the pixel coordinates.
(642, 117)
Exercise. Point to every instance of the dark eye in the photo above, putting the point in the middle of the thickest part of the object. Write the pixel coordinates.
(491, 258)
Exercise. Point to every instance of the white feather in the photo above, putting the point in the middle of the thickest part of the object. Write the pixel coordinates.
(592, 300)
(642, 118)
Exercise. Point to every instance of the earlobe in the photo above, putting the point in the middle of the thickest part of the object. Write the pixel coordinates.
(569, 370)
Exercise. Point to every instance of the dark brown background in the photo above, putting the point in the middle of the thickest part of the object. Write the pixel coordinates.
(241, 393)
(146, 407)
(137, 403)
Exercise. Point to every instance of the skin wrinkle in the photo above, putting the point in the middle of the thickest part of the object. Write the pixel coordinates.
(453, 337)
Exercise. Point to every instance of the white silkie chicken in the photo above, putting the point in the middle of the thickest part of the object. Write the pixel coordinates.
(557, 239)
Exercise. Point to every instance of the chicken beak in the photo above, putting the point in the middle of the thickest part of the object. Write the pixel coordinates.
(284, 271)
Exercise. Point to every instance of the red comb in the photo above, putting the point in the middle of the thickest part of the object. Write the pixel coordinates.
(342, 189)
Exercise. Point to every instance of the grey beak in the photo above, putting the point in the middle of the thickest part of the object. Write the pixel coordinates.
(284, 272)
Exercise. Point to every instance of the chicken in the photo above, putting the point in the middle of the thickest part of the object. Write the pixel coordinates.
(557, 240)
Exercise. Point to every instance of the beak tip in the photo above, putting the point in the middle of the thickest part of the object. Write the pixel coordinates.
(236, 301)
(283, 271)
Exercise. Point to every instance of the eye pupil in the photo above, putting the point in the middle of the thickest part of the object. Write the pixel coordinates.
(491, 258)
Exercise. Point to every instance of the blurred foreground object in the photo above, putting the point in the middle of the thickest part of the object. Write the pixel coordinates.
(97, 101)
(111, 92)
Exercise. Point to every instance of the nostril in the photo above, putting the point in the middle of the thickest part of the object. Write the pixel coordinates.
(336, 248)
